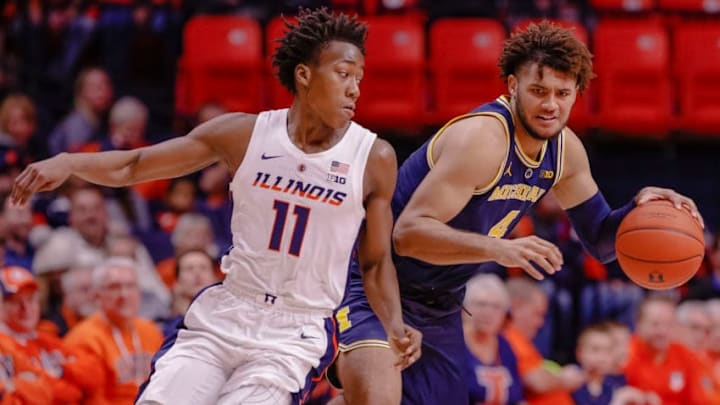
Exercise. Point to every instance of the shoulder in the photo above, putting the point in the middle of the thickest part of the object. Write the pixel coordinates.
(229, 123)
(574, 154)
(382, 152)
(85, 331)
(478, 135)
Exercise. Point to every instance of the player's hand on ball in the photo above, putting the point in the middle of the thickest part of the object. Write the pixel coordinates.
(407, 347)
(529, 250)
(678, 200)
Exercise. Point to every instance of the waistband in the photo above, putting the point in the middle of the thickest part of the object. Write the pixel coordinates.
(273, 301)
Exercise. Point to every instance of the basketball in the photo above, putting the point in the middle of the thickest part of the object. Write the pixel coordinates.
(659, 246)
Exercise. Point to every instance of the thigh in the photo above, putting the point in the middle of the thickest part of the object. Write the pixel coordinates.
(256, 394)
(365, 366)
(438, 377)
(368, 376)
(183, 380)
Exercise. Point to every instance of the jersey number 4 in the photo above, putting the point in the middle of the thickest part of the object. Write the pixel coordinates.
(500, 229)
(298, 234)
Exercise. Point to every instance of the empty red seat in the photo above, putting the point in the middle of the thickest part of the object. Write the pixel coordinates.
(464, 63)
(623, 5)
(393, 88)
(277, 95)
(633, 83)
(696, 65)
(581, 117)
(701, 6)
(222, 62)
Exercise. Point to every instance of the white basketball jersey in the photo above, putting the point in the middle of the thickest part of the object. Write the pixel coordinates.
(296, 215)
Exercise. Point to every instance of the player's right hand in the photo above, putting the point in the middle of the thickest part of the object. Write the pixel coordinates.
(523, 252)
(407, 347)
(44, 175)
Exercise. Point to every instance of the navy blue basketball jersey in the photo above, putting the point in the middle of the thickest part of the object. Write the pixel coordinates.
(493, 210)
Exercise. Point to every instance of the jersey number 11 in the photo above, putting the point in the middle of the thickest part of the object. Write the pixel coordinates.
(301, 218)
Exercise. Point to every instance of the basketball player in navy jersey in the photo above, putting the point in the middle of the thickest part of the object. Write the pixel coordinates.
(460, 194)
(306, 181)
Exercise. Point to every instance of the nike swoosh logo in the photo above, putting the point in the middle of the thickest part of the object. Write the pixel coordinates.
(304, 336)
(266, 157)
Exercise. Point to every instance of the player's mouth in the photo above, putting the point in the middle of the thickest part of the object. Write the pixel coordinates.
(547, 119)
(349, 110)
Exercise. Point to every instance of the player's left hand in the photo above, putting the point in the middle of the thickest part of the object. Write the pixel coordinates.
(407, 347)
(678, 200)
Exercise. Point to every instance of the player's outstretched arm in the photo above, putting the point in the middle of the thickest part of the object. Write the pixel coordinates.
(378, 272)
(467, 156)
(589, 212)
(224, 138)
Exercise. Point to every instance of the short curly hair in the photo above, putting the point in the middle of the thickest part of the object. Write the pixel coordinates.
(312, 32)
(548, 45)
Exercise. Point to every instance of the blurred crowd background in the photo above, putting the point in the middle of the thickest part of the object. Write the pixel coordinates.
(97, 75)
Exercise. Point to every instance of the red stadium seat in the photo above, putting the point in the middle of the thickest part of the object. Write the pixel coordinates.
(581, 118)
(277, 95)
(623, 5)
(700, 6)
(463, 58)
(393, 88)
(633, 83)
(222, 62)
(696, 64)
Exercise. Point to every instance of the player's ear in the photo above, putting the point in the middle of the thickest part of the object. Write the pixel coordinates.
(512, 85)
(302, 74)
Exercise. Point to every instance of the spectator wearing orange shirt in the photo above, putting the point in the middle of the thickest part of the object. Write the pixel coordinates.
(116, 336)
(658, 364)
(21, 382)
(542, 384)
(713, 345)
(69, 373)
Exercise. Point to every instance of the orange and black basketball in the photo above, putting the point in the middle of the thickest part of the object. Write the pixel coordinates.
(659, 246)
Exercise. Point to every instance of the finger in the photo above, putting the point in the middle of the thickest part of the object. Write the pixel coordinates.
(690, 206)
(541, 261)
(551, 252)
(530, 270)
(26, 186)
(648, 197)
(18, 185)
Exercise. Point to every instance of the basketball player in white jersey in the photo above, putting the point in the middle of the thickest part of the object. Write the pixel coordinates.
(308, 183)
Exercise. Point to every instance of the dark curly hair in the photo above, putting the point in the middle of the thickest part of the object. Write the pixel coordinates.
(314, 30)
(548, 45)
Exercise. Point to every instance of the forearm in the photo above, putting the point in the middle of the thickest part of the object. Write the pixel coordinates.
(112, 168)
(434, 242)
(596, 225)
(381, 288)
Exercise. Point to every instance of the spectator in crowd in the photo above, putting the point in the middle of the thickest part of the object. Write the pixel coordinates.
(17, 122)
(543, 384)
(620, 335)
(194, 270)
(192, 232)
(713, 341)
(179, 199)
(155, 302)
(93, 97)
(89, 233)
(18, 224)
(708, 286)
(692, 326)
(658, 364)
(116, 336)
(71, 374)
(492, 368)
(78, 301)
(21, 382)
(594, 354)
